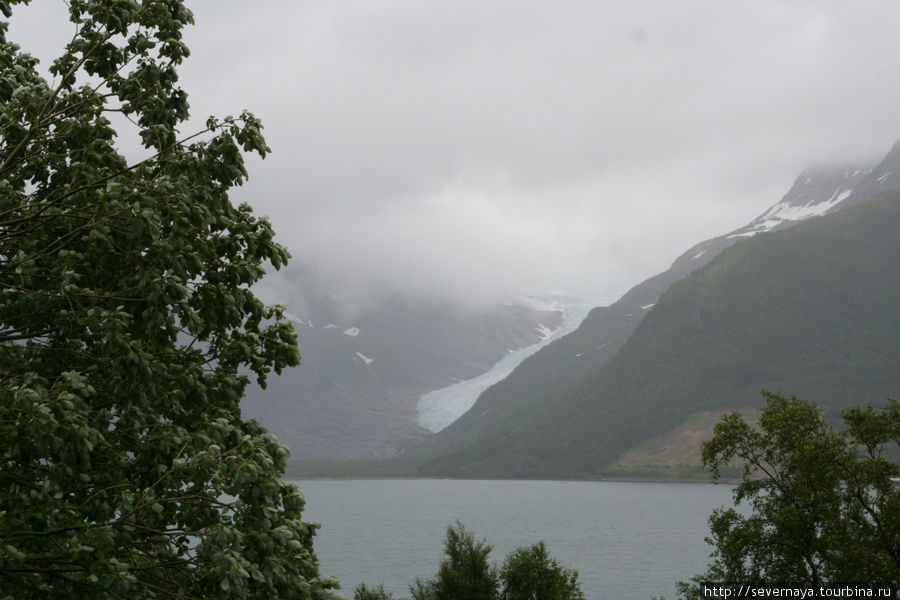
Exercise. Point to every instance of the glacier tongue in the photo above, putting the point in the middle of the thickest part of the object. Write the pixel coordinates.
(439, 408)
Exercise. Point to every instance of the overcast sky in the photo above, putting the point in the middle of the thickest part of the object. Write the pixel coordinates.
(469, 149)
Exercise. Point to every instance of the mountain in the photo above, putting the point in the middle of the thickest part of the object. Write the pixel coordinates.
(355, 393)
(580, 406)
(812, 310)
(541, 421)
(564, 366)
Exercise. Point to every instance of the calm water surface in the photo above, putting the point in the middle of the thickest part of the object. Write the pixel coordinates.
(627, 540)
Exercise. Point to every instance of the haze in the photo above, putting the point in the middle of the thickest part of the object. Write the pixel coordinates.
(471, 150)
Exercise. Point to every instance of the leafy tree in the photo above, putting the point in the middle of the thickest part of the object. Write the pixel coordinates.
(531, 574)
(465, 573)
(128, 332)
(823, 505)
(364, 592)
(422, 589)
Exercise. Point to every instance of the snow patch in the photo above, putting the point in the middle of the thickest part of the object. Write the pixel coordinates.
(646, 306)
(745, 234)
(789, 211)
(883, 177)
(698, 255)
(365, 358)
(352, 331)
(331, 326)
(545, 332)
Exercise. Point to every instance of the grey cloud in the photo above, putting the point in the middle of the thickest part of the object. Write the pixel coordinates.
(467, 149)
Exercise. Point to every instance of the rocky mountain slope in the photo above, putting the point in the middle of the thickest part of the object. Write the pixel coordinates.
(355, 393)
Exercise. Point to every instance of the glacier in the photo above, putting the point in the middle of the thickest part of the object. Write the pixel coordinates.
(439, 408)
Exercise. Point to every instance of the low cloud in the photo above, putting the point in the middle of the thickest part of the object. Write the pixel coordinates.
(469, 150)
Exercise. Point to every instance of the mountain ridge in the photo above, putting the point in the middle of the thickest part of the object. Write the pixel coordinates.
(562, 368)
(691, 349)
(606, 329)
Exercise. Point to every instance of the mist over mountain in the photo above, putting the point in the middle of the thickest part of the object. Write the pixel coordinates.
(803, 299)
(812, 311)
(364, 367)
(772, 293)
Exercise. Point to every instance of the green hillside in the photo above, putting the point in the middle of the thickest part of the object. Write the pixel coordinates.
(813, 311)
(562, 367)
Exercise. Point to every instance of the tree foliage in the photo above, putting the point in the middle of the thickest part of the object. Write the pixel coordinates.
(823, 507)
(128, 331)
(532, 574)
(465, 572)
(364, 592)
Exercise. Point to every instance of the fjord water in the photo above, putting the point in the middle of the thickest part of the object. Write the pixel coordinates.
(627, 540)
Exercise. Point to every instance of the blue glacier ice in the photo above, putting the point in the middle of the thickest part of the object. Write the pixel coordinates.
(439, 408)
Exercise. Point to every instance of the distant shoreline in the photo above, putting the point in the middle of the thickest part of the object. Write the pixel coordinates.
(724, 480)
